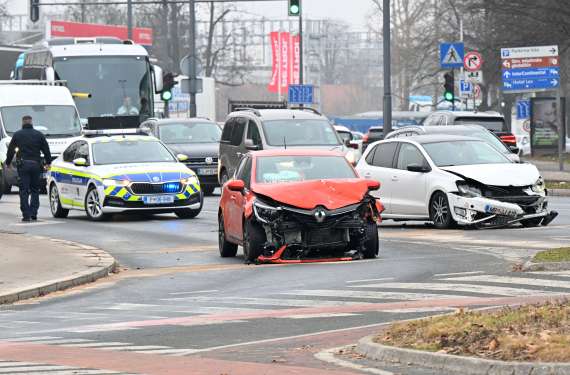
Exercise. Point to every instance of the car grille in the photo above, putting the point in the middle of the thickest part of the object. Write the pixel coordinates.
(345, 218)
(139, 188)
(516, 195)
(201, 161)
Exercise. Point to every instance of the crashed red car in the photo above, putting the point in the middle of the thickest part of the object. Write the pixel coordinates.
(293, 206)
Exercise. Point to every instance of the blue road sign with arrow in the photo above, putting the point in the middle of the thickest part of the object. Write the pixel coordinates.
(531, 84)
(523, 109)
(301, 94)
(451, 55)
(531, 73)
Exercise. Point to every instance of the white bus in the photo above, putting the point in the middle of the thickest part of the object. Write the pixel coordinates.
(107, 76)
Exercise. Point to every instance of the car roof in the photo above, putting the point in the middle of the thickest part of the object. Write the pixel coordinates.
(295, 152)
(167, 121)
(490, 114)
(432, 138)
(119, 138)
(280, 114)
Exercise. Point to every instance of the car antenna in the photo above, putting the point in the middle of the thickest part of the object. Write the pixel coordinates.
(284, 142)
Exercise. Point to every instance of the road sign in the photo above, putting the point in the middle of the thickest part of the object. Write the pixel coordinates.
(474, 77)
(186, 65)
(523, 109)
(527, 52)
(301, 94)
(472, 61)
(530, 68)
(188, 86)
(465, 88)
(451, 55)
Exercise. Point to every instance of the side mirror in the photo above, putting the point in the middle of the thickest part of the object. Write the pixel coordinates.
(418, 168)
(251, 146)
(373, 185)
(235, 185)
(50, 74)
(145, 129)
(158, 84)
(80, 162)
(181, 157)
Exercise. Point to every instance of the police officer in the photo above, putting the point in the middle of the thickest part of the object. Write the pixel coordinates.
(29, 143)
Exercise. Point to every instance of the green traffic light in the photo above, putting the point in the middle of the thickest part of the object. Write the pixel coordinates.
(166, 95)
(448, 96)
(294, 9)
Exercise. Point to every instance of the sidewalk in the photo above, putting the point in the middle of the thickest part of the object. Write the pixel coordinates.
(32, 266)
(550, 169)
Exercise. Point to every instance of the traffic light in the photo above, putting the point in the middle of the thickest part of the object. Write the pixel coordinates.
(34, 10)
(168, 83)
(449, 87)
(294, 8)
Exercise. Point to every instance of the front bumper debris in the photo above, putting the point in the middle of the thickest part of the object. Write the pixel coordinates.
(278, 258)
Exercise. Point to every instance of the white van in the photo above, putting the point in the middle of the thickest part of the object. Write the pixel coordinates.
(53, 112)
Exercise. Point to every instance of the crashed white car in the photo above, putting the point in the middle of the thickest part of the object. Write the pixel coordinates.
(451, 179)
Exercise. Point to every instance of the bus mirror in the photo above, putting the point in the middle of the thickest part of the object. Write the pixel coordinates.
(50, 74)
(158, 84)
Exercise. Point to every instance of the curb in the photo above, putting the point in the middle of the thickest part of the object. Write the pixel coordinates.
(546, 266)
(106, 264)
(455, 364)
(559, 192)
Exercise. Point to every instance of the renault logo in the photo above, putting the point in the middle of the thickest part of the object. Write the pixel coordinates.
(209, 160)
(320, 215)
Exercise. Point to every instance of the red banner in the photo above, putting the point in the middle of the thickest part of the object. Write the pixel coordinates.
(141, 35)
(285, 58)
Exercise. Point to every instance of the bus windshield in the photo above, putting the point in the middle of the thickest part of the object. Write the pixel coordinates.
(52, 120)
(118, 85)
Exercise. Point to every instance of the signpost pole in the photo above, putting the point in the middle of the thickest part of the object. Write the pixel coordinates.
(192, 75)
(301, 78)
(561, 135)
(387, 69)
(129, 19)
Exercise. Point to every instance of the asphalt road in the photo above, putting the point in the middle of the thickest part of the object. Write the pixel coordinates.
(178, 305)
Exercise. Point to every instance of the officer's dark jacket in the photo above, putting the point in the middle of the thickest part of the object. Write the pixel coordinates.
(30, 143)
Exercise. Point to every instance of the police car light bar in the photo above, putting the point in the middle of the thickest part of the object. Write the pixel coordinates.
(111, 132)
(112, 122)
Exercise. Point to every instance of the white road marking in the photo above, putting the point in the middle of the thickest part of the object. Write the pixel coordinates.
(97, 344)
(129, 306)
(196, 292)
(514, 280)
(418, 310)
(167, 351)
(328, 356)
(136, 348)
(63, 341)
(266, 301)
(32, 368)
(11, 364)
(32, 339)
(370, 280)
(458, 273)
(374, 295)
(470, 288)
(36, 224)
(324, 315)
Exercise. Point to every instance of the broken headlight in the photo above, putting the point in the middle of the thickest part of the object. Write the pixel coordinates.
(539, 186)
(265, 212)
(467, 190)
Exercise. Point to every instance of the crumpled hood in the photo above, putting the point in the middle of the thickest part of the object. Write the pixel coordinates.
(332, 194)
(148, 172)
(498, 174)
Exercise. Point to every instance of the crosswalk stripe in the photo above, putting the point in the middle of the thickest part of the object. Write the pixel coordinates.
(133, 348)
(11, 364)
(32, 368)
(470, 288)
(97, 344)
(269, 301)
(373, 295)
(167, 351)
(63, 341)
(74, 371)
(31, 339)
(458, 273)
(326, 315)
(514, 280)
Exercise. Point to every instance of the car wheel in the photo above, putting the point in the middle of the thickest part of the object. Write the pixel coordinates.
(224, 177)
(253, 240)
(227, 249)
(439, 211)
(55, 206)
(189, 213)
(372, 243)
(208, 189)
(531, 222)
(93, 207)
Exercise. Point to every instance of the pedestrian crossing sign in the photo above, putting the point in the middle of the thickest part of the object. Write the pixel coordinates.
(451, 55)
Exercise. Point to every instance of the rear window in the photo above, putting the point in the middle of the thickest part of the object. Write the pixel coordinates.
(293, 132)
(496, 124)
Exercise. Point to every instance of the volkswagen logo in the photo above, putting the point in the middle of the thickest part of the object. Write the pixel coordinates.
(320, 215)
(209, 160)
(155, 179)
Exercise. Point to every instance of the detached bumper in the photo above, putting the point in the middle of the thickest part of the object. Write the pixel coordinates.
(481, 210)
(277, 258)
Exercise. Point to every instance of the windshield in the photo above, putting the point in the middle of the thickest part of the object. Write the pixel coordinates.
(300, 133)
(199, 132)
(276, 169)
(345, 136)
(493, 123)
(52, 120)
(130, 151)
(450, 153)
(118, 85)
(488, 137)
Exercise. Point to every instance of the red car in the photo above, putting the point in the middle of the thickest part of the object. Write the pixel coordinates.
(293, 206)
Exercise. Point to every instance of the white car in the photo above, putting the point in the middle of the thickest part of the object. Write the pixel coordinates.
(450, 179)
(353, 150)
(104, 174)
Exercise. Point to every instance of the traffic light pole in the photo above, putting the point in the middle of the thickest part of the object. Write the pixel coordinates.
(301, 43)
(130, 19)
(387, 69)
(192, 77)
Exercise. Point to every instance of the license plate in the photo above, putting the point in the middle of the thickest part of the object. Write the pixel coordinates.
(158, 199)
(500, 211)
(207, 171)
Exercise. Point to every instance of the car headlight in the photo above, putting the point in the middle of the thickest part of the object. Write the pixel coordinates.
(539, 186)
(111, 182)
(190, 180)
(264, 212)
(467, 190)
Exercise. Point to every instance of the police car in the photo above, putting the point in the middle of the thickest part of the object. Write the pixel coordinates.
(104, 172)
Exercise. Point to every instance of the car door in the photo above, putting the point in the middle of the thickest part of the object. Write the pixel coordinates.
(410, 188)
(253, 134)
(64, 177)
(236, 203)
(379, 165)
(80, 180)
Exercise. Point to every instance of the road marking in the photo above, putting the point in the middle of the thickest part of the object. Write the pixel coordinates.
(514, 280)
(552, 273)
(324, 315)
(268, 301)
(369, 280)
(36, 224)
(32, 368)
(64, 341)
(374, 295)
(137, 348)
(167, 351)
(469, 288)
(419, 310)
(196, 292)
(328, 356)
(129, 306)
(97, 344)
(458, 273)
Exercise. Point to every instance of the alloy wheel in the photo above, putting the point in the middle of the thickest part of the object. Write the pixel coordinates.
(93, 204)
(53, 199)
(440, 210)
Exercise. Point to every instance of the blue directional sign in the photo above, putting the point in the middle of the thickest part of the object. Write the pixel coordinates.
(523, 109)
(451, 55)
(532, 73)
(531, 84)
(301, 94)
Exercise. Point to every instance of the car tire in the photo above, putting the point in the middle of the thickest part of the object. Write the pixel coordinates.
(189, 213)
(55, 206)
(440, 212)
(227, 249)
(208, 190)
(253, 240)
(530, 223)
(372, 243)
(93, 207)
